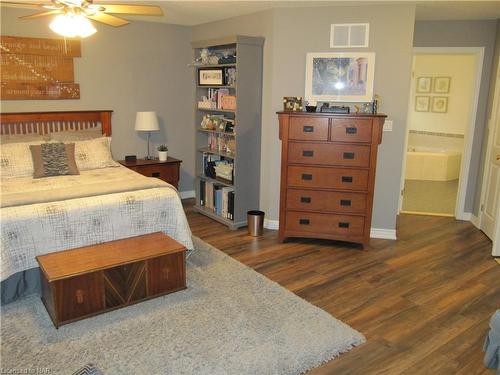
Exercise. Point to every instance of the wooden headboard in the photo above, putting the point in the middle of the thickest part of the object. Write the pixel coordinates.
(44, 123)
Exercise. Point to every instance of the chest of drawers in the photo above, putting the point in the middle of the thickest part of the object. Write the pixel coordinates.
(328, 164)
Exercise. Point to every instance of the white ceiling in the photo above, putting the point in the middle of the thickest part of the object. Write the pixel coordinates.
(199, 12)
(186, 12)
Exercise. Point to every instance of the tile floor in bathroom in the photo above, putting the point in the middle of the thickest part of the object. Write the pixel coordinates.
(437, 197)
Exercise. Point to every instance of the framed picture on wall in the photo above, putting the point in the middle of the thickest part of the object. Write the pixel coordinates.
(340, 77)
(439, 104)
(422, 103)
(442, 85)
(424, 85)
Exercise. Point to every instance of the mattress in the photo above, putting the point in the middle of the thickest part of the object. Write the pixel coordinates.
(73, 220)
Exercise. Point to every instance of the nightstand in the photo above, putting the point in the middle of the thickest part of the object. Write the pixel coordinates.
(167, 171)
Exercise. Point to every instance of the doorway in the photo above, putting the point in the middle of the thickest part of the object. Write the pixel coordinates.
(441, 119)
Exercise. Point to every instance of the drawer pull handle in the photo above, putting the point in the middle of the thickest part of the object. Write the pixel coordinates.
(305, 199)
(308, 153)
(308, 129)
(345, 202)
(343, 225)
(304, 221)
(351, 130)
(155, 174)
(79, 296)
(346, 178)
(348, 155)
(307, 177)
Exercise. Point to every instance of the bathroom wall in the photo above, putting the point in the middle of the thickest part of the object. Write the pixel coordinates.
(461, 68)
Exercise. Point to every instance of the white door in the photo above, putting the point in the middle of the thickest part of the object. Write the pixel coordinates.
(491, 193)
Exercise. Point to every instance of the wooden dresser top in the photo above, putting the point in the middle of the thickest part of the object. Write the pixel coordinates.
(330, 114)
(68, 263)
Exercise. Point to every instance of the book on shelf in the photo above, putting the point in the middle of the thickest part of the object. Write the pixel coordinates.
(217, 198)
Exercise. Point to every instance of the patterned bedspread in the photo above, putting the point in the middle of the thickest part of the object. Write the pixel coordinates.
(34, 229)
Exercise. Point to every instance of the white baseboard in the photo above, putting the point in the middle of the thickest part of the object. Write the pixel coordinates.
(187, 194)
(386, 234)
(475, 221)
(466, 216)
(271, 224)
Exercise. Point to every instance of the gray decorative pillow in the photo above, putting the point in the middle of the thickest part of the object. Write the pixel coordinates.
(53, 159)
(89, 369)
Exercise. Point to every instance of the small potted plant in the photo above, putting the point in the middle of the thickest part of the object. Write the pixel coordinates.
(162, 152)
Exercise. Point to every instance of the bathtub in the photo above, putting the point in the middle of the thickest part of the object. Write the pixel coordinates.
(424, 163)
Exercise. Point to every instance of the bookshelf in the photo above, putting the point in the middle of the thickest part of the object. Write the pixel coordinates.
(244, 139)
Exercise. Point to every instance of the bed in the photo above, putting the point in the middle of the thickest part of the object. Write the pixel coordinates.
(49, 214)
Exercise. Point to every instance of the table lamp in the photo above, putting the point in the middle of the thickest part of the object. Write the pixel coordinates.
(147, 122)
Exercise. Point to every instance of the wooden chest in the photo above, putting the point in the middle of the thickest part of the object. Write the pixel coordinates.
(328, 164)
(86, 281)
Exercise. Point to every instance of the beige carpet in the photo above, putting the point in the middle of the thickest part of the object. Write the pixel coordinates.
(437, 197)
(231, 320)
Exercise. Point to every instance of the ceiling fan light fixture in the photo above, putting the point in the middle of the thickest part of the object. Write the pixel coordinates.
(71, 25)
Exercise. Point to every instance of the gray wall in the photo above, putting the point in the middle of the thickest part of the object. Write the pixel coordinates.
(466, 34)
(139, 67)
(290, 34)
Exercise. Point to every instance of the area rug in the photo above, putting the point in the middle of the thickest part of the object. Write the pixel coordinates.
(230, 320)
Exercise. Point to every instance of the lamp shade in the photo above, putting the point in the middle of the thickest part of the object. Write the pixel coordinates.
(146, 121)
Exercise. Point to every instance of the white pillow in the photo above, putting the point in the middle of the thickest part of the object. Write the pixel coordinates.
(76, 135)
(16, 160)
(94, 154)
(19, 138)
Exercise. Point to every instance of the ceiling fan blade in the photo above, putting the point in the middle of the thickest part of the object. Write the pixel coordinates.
(13, 4)
(108, 19)
(144, 10)
(41, 14)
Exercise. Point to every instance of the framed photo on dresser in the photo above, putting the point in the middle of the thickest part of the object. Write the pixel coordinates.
(340, 77)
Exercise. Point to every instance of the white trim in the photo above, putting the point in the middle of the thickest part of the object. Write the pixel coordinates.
(460, 213)
(187, 194)
(464, 216)
(475, 221)
(386, 234)
(271, 224)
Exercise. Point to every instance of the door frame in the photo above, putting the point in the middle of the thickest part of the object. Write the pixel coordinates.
(495, 111)
(460, 212)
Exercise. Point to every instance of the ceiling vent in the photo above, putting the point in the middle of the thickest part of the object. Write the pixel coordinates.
(349, 35)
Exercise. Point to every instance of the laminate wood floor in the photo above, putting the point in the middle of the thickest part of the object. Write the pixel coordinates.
(423, 302)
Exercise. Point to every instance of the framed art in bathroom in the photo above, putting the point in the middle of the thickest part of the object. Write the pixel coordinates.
(439, 104)
(442, 85)
(422, 103)
(424, 85)
(340, 77)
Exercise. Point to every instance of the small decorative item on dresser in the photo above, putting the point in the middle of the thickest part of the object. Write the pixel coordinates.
(162, 152)
(292, 103)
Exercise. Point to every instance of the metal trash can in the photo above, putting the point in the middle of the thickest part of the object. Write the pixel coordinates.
(255, 223)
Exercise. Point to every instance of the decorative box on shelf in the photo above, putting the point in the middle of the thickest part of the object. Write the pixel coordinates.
(207, 105)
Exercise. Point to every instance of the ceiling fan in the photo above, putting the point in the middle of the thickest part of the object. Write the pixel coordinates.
(72, 16)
